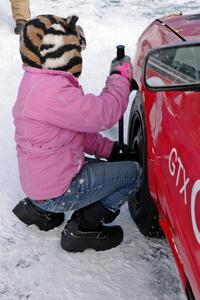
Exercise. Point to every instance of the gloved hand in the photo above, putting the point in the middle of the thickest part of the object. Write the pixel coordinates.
(122, 67)
(123, 152)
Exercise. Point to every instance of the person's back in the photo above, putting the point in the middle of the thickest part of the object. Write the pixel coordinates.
(42, 147)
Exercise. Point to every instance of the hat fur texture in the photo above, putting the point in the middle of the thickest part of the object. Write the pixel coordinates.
(52, 42)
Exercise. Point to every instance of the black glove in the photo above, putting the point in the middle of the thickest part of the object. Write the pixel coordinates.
(122, 152)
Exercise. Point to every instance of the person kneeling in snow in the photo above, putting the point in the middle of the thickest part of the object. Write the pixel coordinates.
(56, 123)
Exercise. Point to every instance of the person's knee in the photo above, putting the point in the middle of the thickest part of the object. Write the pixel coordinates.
(136, 170)
(133, 166)
(140, 173)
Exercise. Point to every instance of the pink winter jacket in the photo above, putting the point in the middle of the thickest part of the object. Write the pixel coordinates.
(56, 123)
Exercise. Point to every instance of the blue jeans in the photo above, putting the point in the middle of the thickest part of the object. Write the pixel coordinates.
(111, 183)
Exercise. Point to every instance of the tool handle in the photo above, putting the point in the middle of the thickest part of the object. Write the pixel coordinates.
(120, 51)
(120, 55)
(121, 132)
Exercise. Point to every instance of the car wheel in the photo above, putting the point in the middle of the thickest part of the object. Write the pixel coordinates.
(142, 208)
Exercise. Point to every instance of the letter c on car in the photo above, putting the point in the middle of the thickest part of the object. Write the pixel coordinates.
(195, 190)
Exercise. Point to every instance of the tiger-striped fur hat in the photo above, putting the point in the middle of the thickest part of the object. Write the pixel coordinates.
(52, 42)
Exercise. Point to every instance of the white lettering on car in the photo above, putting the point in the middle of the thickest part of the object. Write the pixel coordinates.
(195, 190)
(172, 167)
(176, 168)
(175, 163)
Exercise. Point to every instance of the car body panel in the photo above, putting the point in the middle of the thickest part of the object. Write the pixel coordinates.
(188, 26)
(154, 36)
(173, 146)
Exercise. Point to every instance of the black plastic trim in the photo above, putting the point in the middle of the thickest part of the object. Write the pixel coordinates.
(171, 29)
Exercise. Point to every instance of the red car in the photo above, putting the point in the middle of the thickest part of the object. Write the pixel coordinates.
(164, 128)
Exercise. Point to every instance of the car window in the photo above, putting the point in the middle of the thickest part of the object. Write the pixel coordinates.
(187, 61)
(175, 66)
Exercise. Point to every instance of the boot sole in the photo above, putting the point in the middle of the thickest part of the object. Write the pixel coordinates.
(20, 213)
(74, 244)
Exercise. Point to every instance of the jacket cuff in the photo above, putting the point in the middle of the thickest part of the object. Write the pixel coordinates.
(107, 149)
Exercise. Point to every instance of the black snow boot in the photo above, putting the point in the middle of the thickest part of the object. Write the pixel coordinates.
(85, 230)
(30, 214)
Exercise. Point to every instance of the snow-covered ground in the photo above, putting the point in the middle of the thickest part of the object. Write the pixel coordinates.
(32, 264)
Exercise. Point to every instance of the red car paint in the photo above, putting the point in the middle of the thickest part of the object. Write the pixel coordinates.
(173, 144)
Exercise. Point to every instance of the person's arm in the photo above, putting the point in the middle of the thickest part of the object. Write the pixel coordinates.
(69, 108)
(96, 144)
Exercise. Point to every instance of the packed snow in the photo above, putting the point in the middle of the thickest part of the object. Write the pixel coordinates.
(32, 263)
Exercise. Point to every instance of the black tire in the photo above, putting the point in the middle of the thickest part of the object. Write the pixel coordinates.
(142, 208)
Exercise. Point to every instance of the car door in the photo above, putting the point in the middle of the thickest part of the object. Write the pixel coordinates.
(177, 164)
